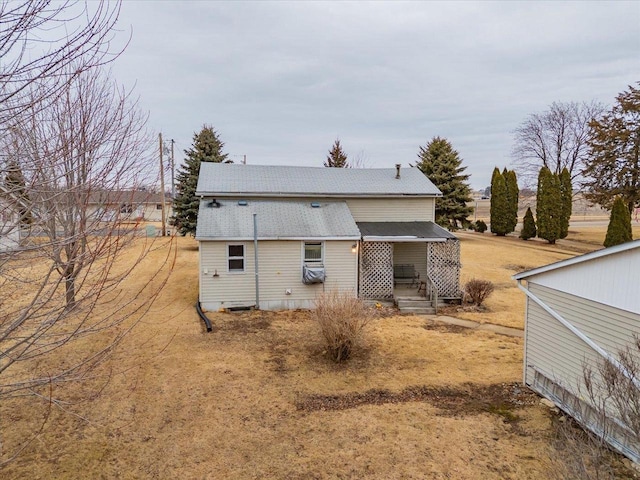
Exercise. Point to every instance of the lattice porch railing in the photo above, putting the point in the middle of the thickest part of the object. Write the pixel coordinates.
(443, 267)
(376, 270)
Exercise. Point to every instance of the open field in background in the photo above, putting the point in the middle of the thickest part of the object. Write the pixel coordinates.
(257, 398)
(581, 209)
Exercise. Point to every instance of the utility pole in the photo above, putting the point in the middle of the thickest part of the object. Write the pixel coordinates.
(173, 170)
(164, 227)
(244, 159)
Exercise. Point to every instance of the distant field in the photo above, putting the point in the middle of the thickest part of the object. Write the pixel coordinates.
(257, 397)
(581, 209)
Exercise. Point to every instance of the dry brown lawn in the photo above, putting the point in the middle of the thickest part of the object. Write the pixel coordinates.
(257, 397)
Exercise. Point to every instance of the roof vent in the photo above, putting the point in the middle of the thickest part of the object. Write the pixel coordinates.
(398, 165)
(213, 204)
(315, 205)
(243, 203)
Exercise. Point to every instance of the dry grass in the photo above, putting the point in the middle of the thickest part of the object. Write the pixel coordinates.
(420, 401)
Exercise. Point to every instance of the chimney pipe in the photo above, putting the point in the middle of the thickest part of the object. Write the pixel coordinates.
(397, 170)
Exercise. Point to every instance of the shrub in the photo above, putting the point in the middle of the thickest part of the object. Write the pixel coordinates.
(342, 319)
(480, 226)
(619, 229)
(477, 291)
(528, 226)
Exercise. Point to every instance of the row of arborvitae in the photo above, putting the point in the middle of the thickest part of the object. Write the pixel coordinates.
(504, 202)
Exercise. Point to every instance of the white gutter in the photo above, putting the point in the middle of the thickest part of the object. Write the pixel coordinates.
(578, 333)
(250, 239)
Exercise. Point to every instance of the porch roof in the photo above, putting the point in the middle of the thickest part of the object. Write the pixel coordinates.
(403, 232)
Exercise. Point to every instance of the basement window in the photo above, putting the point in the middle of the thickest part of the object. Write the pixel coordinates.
(235, 257)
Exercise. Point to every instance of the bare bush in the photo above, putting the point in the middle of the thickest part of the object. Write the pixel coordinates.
(342, 319)
(609, 404)
(477, 291)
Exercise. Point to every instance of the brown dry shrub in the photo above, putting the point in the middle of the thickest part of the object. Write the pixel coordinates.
(342, 319)
(476, 291)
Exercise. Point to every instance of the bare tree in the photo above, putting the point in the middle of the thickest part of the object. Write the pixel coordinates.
(556, 139)
(83, 156)
(40, 39)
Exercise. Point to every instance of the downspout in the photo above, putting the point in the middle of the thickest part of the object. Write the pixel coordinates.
(579, 334)
(255, 254)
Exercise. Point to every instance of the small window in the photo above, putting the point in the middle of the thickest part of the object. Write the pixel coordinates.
(313, 253)
(126, 208)
(236, 258)
(158, 206)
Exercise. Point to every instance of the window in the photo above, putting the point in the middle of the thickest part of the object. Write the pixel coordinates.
(313, 252)
(126, 208)
(235, 258)
(158, 206)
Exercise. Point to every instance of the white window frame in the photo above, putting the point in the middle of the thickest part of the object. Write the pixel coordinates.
(243, 258)
(313, 262)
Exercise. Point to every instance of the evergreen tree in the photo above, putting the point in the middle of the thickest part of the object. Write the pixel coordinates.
(336, 158)
(207, 147)
(442, 165)
(513, 193)
(16, 186)
(566, 193)
(499, 208)
(528, 226)
(613, 165)
(549, 206)
(619, 229)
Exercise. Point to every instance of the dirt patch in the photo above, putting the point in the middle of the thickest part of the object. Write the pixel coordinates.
(468, 399)
(446, 328)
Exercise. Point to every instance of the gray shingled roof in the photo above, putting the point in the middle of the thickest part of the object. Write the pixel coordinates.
(276, 220)
(422, 230)
(219, 179)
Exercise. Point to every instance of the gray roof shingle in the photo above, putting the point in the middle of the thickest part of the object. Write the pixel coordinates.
(275, 220)
(417, 230)
(219, 179)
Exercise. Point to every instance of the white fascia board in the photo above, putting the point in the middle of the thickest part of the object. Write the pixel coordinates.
(401, 239)
(603, 252)
(318, 195)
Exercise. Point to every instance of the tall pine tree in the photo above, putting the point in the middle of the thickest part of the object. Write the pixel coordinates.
(619, 229)
(549, 206)
(500, 209)
(442, 165)
(566, 194)
(336, 158)
(207, 147)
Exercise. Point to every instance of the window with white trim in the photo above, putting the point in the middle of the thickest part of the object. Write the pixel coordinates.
(235, 257)
(313, 253)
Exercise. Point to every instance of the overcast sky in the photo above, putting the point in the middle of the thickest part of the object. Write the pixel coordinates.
(281, 81)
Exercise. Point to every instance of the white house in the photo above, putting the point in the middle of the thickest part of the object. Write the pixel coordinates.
(9, 222)
(273, 237)
(580, 312)
(128, 205)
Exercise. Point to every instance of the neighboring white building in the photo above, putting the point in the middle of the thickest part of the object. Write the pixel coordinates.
(316, 229)
(580, 312)
(9, 223)
(130, 205)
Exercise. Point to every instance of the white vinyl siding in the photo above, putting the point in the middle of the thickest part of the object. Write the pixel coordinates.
(612, 280)
(554, 350)
(280, 268)
(392, 209)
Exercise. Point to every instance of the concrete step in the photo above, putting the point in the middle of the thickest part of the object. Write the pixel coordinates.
(418, 310)
(414, 303)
